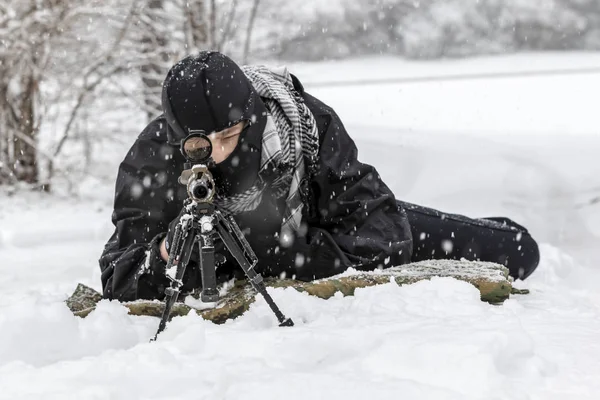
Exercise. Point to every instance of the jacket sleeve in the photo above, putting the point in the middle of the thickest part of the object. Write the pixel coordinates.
(357, 221)
(144, 204)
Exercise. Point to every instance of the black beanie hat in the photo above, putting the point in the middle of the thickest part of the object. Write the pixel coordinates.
(208, 92)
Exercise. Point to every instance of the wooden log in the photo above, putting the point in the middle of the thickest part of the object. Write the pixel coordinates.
(492, 280)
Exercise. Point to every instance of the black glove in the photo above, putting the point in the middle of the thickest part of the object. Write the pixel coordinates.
(191, 277)
(171, 234)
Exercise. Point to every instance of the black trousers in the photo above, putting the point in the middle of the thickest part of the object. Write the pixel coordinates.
(439, 235)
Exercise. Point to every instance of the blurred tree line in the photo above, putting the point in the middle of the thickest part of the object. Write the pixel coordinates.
(77, 73)
(428, 29)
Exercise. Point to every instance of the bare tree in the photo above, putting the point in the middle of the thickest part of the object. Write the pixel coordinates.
(249, 29)
(152, 22)
(104, 66)
(26, 29)
(228, 23)
(43, 44)
(198, 36)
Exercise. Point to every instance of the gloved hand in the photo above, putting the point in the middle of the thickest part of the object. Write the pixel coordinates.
(191, 278)
(170, 237)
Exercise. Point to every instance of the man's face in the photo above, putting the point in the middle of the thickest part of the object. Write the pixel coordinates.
(225, 141)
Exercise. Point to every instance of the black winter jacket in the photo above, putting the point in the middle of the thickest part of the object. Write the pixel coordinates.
(356, 221)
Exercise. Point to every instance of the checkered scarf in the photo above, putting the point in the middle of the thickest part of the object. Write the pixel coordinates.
(289, 142)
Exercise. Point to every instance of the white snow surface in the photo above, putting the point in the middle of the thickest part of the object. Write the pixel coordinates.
(526, 148)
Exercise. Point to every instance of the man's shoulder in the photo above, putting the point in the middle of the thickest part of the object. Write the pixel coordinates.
(316, 106)
(156, 130)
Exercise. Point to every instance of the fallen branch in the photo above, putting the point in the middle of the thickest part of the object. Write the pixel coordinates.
(491, 279)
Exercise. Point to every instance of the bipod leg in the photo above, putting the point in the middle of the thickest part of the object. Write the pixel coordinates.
(209, 293)
(181, 249)
(240, 249)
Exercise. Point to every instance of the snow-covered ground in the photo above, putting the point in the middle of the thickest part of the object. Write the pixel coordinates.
(526, 148)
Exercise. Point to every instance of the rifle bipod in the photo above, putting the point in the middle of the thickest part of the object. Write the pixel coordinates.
(197, 226)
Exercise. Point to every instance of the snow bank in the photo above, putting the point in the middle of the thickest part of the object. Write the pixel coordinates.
(433, 339)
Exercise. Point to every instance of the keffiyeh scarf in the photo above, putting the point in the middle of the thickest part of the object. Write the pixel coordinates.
(290, 144)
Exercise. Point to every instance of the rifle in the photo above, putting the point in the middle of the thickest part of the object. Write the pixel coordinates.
(199, 224)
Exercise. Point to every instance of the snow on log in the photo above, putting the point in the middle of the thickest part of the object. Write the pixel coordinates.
(491, 279)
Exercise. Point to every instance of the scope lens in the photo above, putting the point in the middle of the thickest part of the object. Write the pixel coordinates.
(197, 148)
(200, 191)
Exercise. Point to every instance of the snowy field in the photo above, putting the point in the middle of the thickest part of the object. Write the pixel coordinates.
(526, 148)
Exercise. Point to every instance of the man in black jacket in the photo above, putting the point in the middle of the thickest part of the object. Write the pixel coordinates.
(288, 172)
